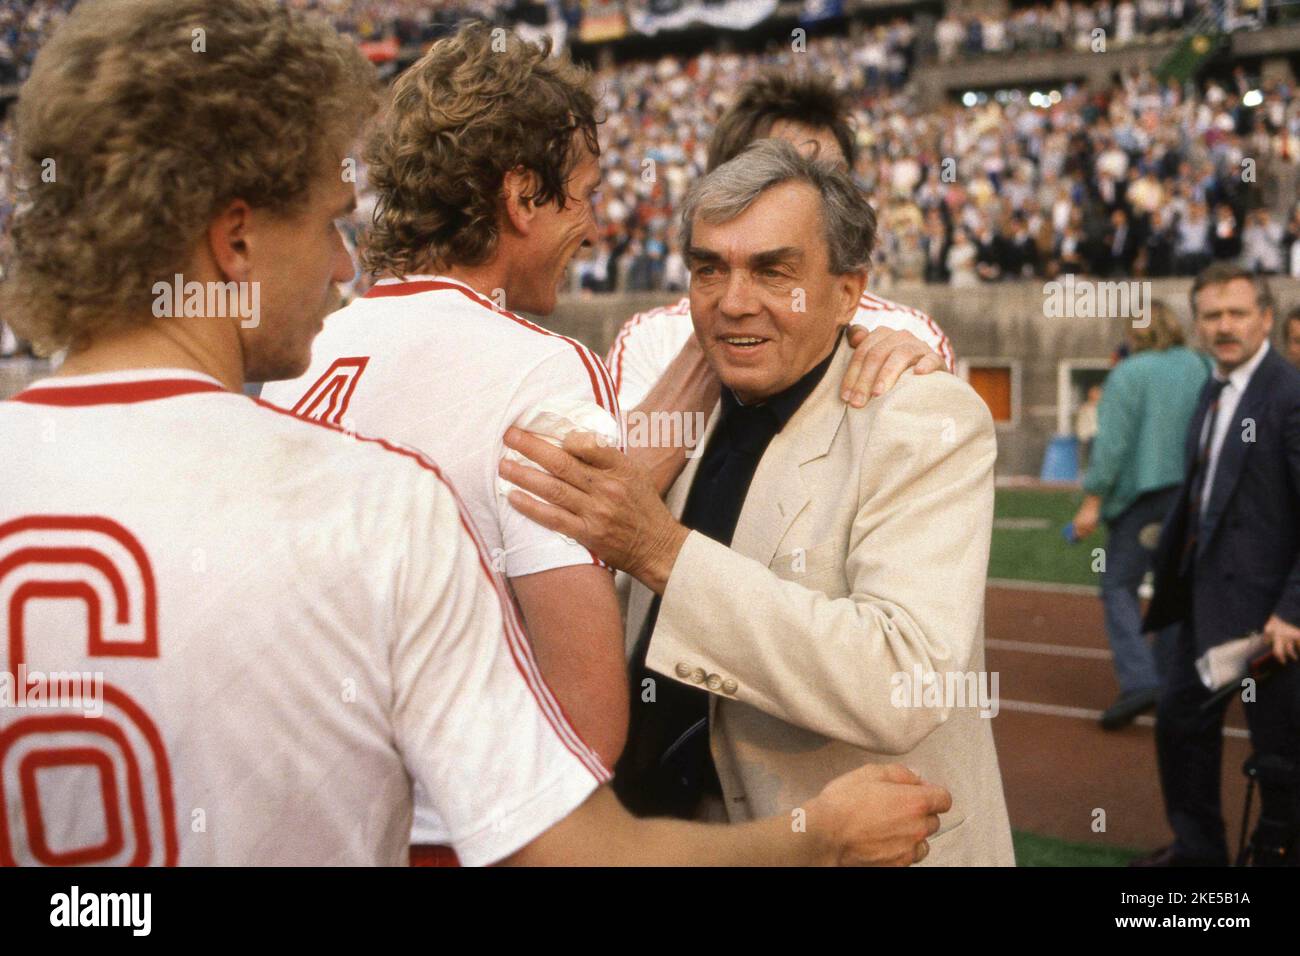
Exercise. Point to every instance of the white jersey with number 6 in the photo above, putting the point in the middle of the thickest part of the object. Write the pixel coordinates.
(287, 626)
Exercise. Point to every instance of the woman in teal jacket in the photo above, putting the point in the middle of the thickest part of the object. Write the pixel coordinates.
(1133, 477)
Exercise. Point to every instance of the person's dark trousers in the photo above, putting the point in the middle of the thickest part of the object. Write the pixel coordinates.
(1274, 721)
(1127, 562)
(1189, 746)
(1189, 750)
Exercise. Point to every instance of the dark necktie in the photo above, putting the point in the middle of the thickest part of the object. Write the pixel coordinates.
(1201, 467)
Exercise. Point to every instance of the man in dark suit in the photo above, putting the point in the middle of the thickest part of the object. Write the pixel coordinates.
(1228, 564)
(1119, 245)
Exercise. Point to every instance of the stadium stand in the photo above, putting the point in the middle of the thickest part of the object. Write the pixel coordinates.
(1138, 176)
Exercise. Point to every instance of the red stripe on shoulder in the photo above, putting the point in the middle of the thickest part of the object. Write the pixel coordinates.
(602, 389)
(874, 303)
(615, 358)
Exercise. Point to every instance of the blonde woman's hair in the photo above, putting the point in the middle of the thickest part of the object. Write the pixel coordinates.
(1165, 331)
(144, 118)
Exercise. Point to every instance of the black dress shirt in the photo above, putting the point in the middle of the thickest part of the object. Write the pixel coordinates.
(667, 767)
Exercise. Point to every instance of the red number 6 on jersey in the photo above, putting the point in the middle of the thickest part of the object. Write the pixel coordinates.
(53, 764)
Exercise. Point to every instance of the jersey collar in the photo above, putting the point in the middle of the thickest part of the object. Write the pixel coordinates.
(410, 285)
(117, 388)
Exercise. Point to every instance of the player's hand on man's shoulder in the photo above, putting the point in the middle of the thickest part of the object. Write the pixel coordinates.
(880, 356)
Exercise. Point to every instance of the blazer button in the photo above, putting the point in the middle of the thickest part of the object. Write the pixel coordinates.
(683, 669)
(714, 682)
(698, 675)
(729, 686)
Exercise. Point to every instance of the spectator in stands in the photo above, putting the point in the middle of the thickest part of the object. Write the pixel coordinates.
(1120, 245)
(1225, 237)
(676, 275)
(1261, 243)
(1192, 247)
(960, 260)
(1125, 22)
(1132, 481)
(645, 267)
(1158, 246)
(1070, 251)
(948, 35)
(908, 257)
(988, 253)
(1018, 256)
(595, 274)
(974, 36)
(934, 245)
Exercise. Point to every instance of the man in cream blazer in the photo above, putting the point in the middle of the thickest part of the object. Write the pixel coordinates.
(843, 624)
(860, 555)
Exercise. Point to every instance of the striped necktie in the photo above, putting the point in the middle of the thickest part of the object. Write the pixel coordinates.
(1215, 391)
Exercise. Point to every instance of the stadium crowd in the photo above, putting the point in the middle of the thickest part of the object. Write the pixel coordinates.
(1042, 26)
(24, 24)
(1063, 26)
(1139, 178)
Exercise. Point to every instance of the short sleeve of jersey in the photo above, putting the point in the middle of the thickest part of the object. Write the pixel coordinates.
(908, 320)
(476, 725)
(643, 350)
(569, 374)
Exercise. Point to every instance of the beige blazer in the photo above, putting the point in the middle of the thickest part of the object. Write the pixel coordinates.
(857, 567)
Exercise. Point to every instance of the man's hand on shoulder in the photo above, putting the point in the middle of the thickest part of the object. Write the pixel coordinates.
(599, 497)
(879, 358)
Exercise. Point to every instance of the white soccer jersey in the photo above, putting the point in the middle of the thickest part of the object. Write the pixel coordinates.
(432, 363)
(650, 340)
(290, 625)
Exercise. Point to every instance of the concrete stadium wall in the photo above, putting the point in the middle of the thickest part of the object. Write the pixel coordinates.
(1000, 324)
(995, 325)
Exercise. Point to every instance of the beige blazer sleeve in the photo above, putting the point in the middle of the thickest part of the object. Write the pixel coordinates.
(915, 567)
